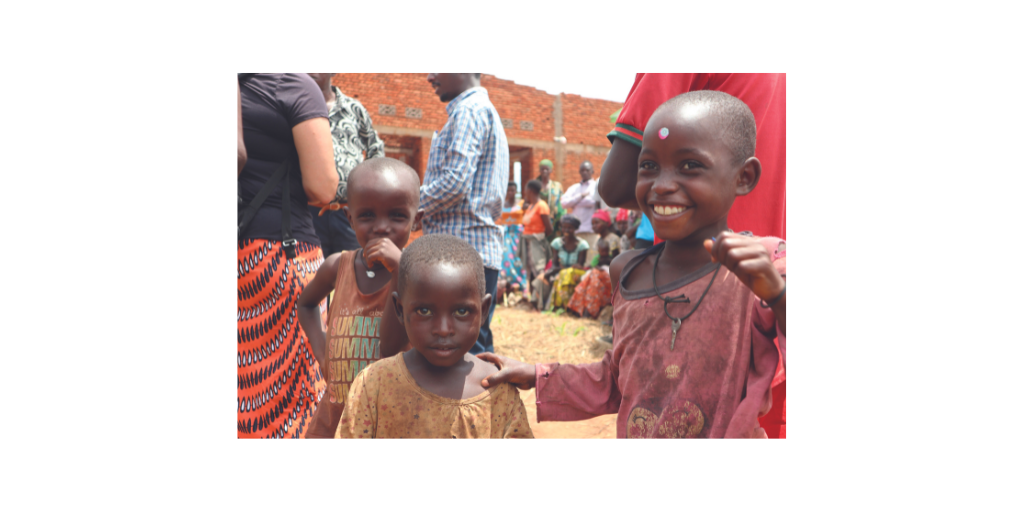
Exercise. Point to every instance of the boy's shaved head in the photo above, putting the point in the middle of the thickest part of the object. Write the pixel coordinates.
(739, 131)
(396, 172)
(433, 249)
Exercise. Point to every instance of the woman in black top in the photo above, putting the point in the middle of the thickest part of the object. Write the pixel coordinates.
(284, 121)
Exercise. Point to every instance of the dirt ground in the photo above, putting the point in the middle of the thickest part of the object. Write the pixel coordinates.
(534, 337)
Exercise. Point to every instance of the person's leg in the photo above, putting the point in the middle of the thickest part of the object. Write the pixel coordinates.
(485, 340)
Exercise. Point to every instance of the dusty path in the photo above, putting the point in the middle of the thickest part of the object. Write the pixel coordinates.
(543, 338)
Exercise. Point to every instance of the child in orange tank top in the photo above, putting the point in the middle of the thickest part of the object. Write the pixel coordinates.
(383, 209)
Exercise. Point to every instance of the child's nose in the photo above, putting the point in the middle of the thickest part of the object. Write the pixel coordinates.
(664, 184)
(443, 327)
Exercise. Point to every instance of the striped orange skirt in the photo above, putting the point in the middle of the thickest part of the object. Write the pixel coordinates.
(279, 381)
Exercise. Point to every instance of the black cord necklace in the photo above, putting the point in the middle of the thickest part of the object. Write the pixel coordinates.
(678, 322)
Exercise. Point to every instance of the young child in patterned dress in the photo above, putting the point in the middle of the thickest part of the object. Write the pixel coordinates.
(694, 316)
(383, 210)
(433, 390)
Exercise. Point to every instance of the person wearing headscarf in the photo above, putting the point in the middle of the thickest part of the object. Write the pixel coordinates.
(551, 193)
(594, 290)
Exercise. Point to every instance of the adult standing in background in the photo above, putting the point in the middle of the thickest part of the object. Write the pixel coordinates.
(353, 135)
(551, 193)
(290, 164)
(763, 211)
(466, 178)
(582, 200)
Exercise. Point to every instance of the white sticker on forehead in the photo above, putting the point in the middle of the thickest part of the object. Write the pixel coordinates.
(390, 176)
(694, 111)
(663, 133)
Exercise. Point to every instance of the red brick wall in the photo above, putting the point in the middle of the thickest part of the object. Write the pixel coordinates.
(399, 89)
(584, 120)
(522, 103)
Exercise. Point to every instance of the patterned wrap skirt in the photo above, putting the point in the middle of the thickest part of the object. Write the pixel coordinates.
(279, 381)
(563, 287)
(592, 294)
(511, 265)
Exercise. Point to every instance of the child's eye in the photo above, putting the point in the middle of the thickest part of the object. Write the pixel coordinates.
(462, 312)
(423, 311)
(691, 164)
(648, 165)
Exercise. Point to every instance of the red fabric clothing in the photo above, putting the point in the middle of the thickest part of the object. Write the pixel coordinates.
(764, 209)
(714, 383)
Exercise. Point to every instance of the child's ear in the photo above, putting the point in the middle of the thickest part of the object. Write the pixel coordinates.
(485, 305)
(398, 306)
(417, 222)
(347, 214)
(748, 176)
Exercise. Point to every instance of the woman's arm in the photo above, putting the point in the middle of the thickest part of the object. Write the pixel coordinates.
(308, 308)
(316, 160)
(548, 228)
(581, 259)
(242, 155)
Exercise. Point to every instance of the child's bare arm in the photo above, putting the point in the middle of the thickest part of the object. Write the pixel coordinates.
(747, 258)
(383, 251)
(308, 307)
(522, 375)
(393, 338)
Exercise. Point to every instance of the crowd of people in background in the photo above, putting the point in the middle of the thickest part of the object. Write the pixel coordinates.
(558, 248)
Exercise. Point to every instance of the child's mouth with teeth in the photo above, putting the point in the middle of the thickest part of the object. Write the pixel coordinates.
(668, 210)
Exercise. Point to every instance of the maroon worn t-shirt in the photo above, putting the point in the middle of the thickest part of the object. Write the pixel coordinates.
(272, 104)
(714, 383)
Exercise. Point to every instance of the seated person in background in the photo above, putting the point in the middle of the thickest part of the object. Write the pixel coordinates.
(602, 224)
(604, 256)
(433, 390)
(623, 223)
(595, 289)
(569, 255)
(383, 209)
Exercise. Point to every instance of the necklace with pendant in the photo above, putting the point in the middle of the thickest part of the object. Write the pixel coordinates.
(369, 273)
(678, 322)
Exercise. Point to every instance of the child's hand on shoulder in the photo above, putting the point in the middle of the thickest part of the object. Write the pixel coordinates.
(750, 261)
(383, 251)
(521, 375)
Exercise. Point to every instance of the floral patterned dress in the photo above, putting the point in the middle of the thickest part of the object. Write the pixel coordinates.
(511, 265)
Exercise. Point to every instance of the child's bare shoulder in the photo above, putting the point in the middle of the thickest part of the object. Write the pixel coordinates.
(620, 261)
(481, 367)
(331, 264)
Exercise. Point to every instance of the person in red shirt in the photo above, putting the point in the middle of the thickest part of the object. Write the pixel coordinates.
(763, 211)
